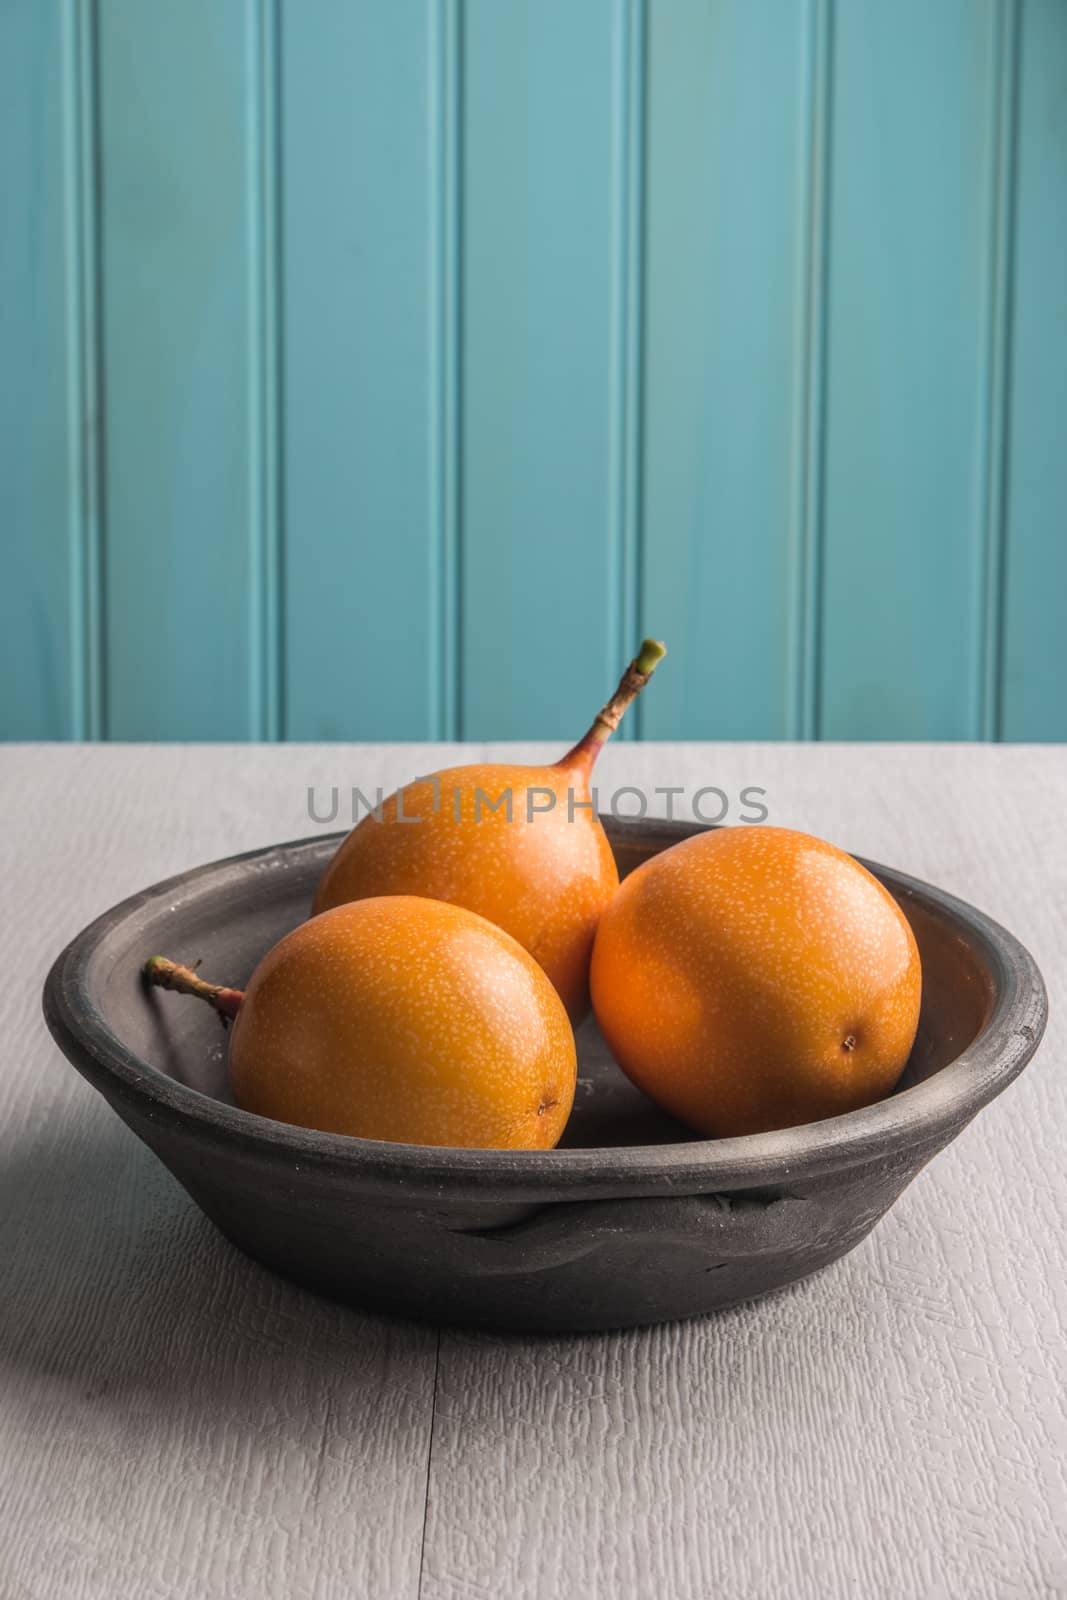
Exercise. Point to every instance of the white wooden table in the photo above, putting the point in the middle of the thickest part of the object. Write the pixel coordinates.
(175, 1422)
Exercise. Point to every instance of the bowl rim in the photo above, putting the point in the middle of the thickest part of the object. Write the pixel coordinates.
(917, 1119)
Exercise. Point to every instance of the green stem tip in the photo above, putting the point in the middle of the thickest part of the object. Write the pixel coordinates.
(649, 656)
(607, 719)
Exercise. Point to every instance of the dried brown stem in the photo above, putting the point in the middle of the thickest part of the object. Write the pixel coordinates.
(166, 974)
(607, 719)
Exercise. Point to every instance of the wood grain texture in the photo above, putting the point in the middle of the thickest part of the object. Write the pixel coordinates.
(896, 1427)
(174, 1423)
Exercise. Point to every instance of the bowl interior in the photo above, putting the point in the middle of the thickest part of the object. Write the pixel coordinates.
(227, 917)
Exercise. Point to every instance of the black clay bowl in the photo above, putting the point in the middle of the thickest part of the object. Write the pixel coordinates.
(630, 1221)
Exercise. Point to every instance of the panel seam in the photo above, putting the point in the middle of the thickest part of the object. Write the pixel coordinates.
(994, 429)
(445, 598)
(803, 701)
(85, 394)
(265, 378)
(626, 368)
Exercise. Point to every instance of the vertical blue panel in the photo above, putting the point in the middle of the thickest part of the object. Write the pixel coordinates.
(362, 330)
(914, 144)
(1035, 632)
(178, 269)
(729, 173)
(743, 321)
(39, 513)
(543, 453)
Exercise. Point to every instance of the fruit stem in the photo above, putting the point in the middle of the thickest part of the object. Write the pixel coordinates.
(166, 974)
(607, 719)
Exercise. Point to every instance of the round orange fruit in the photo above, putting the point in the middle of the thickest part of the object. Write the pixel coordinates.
(406, 1019)
(753, 978)
(521, 846)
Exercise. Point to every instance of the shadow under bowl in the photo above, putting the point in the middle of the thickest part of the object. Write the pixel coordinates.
(631, 1220)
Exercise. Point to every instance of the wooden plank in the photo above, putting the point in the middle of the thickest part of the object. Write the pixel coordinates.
(176, 85)
(873, 1431)
(1034, 703)
(544, 187)
(40, 397)
(912, 239)
(361, 335)
(896, 1426)
(175, 1422)
(730, 212)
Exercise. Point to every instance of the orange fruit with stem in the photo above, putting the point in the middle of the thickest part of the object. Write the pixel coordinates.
(403, 1019)
(520, 845)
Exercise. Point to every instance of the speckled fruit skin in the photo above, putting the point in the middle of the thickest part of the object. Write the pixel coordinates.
(410, 1020)
(754, 978)
(544, 877)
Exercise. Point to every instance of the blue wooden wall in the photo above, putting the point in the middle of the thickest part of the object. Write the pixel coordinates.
(383, 368)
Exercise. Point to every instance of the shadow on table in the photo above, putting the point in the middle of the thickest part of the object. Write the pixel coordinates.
(118, 1291)
(114, 1284)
